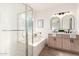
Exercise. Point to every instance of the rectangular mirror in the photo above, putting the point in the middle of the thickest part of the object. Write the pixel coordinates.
(40, 23)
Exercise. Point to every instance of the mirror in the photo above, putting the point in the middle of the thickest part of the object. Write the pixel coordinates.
(40, 23)
(68, 22)
(54, 23)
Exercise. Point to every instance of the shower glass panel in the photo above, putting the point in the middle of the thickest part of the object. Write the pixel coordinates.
(25, 32)
(21, 42)
(29, 30)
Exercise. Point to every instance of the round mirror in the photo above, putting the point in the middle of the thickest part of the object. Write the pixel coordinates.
(68, 22)
(55, 23)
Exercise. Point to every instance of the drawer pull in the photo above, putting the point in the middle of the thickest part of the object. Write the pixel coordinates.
(55, 39)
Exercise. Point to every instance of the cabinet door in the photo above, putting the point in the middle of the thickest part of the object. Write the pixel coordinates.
(66, 43)
(72, 46)
(76, 44)
(52, 42)
(58, 43)
(48, 41)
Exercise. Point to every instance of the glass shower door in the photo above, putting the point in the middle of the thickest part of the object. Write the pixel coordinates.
(29, 30)
(25, 32)
(21, 34)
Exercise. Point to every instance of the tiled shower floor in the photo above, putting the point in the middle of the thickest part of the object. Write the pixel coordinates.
(54, 52)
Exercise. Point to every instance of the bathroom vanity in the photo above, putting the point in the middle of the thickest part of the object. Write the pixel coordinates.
(63, 42)
(63, 34)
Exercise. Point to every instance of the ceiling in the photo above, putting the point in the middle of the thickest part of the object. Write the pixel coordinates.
(45, 6)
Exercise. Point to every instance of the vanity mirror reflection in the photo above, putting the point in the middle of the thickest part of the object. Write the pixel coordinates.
(63, 23)
(40, 23)
(54, 23)
(68, 22)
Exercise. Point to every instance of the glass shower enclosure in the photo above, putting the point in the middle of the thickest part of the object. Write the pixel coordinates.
(25, 32)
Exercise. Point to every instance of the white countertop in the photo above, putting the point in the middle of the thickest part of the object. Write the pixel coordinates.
(61, 33)
(72, 35)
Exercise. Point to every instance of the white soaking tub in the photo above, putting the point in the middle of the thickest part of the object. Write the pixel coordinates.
(35, 46)
(38, 45)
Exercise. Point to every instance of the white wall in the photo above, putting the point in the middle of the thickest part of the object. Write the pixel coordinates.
(8, 21)
(77, 21)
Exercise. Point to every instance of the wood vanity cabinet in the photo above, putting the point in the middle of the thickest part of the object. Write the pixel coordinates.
(63, 41)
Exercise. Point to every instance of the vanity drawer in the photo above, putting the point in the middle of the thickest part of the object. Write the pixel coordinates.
(50, 36)
(59, 35)
(66, 36)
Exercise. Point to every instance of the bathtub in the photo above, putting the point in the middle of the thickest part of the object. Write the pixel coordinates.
(37, 45)
(34, 48)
